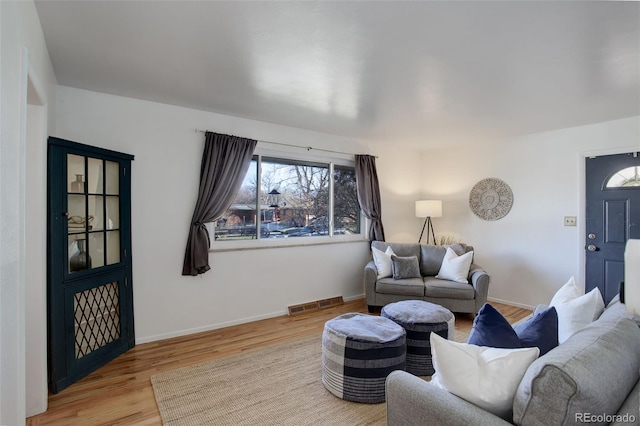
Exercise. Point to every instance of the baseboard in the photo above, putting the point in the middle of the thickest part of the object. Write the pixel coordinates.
(180, 333)
(510, 303)
(209, 327)
(352, 298)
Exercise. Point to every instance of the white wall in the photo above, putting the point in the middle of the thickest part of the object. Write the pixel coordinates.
(401, 182)
(529, 253)
(23, 54)
(242, 285)
(36, 256)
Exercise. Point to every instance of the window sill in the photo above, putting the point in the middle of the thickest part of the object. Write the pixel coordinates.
(297, 242)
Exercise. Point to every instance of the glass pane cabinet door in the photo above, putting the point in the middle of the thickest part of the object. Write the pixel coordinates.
(90, 295)
(93, 212)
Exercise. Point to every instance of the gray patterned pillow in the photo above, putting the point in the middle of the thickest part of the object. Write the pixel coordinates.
(405, 267)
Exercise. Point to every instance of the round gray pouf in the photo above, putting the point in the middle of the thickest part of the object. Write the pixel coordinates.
(358, 353)
(420, 319)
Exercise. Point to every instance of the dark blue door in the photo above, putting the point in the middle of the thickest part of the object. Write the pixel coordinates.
(612, 217)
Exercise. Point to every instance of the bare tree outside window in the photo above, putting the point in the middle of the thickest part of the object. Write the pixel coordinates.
(346, 210)
(294, 200)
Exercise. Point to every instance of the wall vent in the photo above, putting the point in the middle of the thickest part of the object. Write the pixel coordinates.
(332, 301)
(301, 309)
(314, 306)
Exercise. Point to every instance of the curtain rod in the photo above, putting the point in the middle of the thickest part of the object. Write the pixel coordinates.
(308, 148)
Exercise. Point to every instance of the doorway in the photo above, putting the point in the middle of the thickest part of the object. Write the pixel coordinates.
(612, 217)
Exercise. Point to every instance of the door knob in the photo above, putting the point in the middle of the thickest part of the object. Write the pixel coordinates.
(591, 247)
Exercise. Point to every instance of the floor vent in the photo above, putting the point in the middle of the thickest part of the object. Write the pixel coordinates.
(314, 306)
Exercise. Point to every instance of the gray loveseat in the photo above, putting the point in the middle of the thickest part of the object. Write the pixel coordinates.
(590, 378)
(457, 297)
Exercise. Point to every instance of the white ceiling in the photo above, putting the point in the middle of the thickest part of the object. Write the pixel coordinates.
(419, 73)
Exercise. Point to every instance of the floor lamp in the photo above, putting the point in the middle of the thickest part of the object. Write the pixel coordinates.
(428, 209)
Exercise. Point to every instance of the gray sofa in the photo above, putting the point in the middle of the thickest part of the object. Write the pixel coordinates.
(457, 297)
(593, 377)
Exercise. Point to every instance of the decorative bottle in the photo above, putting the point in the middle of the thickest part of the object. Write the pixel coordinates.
(78, 184)
(80, 260)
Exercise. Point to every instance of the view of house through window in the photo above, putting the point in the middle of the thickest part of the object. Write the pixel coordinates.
(290, 198)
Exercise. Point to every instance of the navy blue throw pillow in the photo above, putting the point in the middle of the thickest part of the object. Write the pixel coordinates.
(541, 330)
(491, 329)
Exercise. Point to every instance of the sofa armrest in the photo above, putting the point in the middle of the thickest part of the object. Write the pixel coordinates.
(414, 401)
(370, 277)
(480, 281)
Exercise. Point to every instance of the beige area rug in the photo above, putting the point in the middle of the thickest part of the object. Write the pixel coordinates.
(277, 385)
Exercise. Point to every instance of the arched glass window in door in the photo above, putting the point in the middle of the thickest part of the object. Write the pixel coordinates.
(624, 178)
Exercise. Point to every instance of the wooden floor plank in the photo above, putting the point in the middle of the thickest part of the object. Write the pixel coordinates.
(120, 392)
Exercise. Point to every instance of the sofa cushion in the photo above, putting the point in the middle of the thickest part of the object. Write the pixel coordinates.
(567, 292)
(431, 259)
(592, 372)
(541, 330)
(459, 249)
(382, 260)
(492, 329)
(406, 287)
(435, 287)
(405, 267)
(575, 312)
(616, 310)
(454, 267)
(400, 249)
(487, 377)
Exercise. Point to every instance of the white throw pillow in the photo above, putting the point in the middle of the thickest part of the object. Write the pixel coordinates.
(382, 260)
(454, 267)
(487, 377)
(566, 293)
(574, 313)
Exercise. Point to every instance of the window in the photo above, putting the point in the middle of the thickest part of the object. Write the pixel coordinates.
(625, 178)
(290, 198)
(346, 209)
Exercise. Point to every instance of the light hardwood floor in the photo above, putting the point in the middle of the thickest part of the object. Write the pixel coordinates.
(120, 393)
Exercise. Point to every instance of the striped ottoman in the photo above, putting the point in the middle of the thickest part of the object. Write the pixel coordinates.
(420, 319)
(358, 353)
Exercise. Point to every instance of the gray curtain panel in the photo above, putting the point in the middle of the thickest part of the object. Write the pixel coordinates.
(225, 162)
(369, 194)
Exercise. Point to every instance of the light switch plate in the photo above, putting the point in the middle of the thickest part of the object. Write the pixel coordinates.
(570, 221)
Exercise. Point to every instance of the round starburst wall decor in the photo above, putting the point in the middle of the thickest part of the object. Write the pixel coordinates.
(491, 199)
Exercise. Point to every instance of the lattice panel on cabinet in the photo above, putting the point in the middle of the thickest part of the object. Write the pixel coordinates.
(96, 318)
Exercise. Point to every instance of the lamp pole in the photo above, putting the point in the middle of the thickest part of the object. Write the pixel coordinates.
(428, 209)
(429, 225)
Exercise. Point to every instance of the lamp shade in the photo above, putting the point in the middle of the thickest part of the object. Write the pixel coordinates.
(429, 208)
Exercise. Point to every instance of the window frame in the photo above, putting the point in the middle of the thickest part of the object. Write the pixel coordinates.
(606, 186)
(308, 160)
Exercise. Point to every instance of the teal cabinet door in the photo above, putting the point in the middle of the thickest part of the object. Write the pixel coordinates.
(89, 285)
